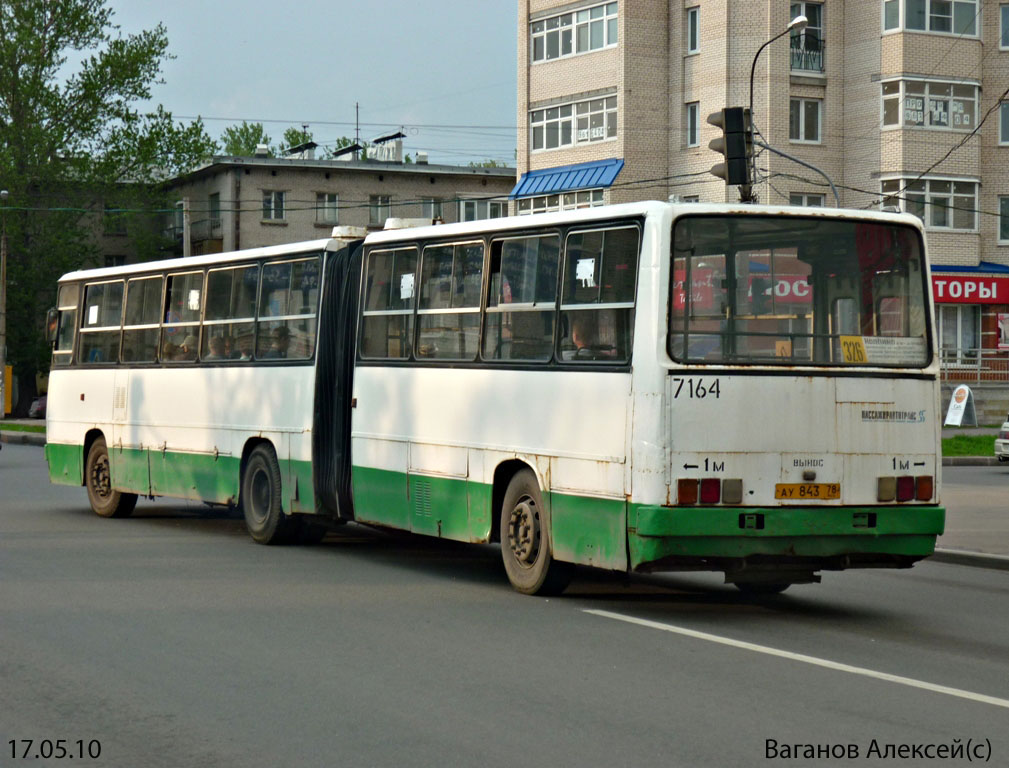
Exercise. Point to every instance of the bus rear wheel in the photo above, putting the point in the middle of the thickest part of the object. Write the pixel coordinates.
(260, 497)
(525, 540)
(105, 501)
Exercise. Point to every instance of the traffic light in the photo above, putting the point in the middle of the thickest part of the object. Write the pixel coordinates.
(735, 143)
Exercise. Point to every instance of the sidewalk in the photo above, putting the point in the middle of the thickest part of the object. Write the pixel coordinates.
(992, 529)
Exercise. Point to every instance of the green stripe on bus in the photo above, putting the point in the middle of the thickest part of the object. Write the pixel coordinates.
(66, 465)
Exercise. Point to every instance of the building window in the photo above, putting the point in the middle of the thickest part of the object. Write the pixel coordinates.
(581, 122)
(378, 210)
(959, 332)
(940, 203)
(693, 30)
(804, 120)
(327, 207)
(569, 34)
(1003, 37)
(693, 126)
(950, 17)
(1003, 220)
(566, 201)
(807, 44)
(115, 261)
(1003, 123)
(929, 104)
(806, 200)
(432, 208)
(691, 198)
(114, 221)
(273, 205)
(214, 210)
(475, 210)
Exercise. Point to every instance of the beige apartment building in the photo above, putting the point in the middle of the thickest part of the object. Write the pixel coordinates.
(248, 202)
(884, 96)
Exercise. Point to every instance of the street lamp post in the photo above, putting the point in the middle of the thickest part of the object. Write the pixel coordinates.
(798, 23)
(3, 303)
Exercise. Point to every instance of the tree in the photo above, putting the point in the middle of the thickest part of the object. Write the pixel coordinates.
(488, 163)
(72, 138)
(242, 140)
(294, 137)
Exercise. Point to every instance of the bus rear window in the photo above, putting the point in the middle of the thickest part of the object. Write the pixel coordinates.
(797, 291)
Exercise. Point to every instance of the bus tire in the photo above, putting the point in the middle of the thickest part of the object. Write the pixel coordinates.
(525, 540)
(104, 499)
(261, 490)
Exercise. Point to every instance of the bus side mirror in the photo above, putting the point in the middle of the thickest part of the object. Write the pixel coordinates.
(52, 325)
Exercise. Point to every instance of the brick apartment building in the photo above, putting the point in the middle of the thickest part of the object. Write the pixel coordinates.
(247, 202)
(613, 99)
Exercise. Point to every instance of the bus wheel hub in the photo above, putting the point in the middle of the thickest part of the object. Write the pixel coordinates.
(524, 533)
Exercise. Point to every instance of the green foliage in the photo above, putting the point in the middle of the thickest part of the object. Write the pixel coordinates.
(242, 140)
(71, 138)
(293, 137)
(488, 163)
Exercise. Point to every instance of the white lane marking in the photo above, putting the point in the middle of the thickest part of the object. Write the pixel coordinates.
(826, 663)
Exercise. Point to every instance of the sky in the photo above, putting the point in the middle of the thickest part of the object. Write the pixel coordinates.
(445, 71)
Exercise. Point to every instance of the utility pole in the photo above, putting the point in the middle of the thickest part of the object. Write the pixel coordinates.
(3, 303)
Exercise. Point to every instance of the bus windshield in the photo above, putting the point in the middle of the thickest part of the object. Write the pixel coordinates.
(790, 290)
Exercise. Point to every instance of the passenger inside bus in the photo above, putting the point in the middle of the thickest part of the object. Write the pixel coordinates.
(217, 351)
(280, 345)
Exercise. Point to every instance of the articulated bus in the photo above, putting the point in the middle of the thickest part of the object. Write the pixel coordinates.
(644, 387)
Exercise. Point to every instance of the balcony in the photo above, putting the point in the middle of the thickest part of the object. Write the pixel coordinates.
(808, 56)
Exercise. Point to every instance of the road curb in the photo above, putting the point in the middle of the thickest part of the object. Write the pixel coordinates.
(974, 559)
(22, 438)
(970, 461)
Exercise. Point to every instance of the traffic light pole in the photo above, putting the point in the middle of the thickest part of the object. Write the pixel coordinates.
(803, 163)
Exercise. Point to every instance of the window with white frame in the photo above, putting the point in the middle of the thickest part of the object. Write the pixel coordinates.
(1003, 219)
(959, 331)
(569, 34)
(378, 209)
(327, 206)
(1003, 123)
(807, 43)
(475, 210)
(691, 199)
(273, 205)
(693, 124)
(930, 104)
(693, 27)
(581, 122)
(1003, 21)
(940, 203)
(432, 208)
(805, 199)
(567, 201)
(804, 120)
(949, 17)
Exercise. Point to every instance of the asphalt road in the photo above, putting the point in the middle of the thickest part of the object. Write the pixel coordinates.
(173, 640)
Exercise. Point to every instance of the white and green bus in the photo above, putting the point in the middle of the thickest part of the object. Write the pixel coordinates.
(643, 387)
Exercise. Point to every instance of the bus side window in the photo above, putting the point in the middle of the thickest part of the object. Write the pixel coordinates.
(229, 321)
(288, 302)
(389, 297)
(102, 323)
(597, 303)
(140, 325)
(183, 303)
(451, 278)
(521, 305)
(66, 305)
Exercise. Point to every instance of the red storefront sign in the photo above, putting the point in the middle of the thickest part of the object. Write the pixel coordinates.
(954, 289)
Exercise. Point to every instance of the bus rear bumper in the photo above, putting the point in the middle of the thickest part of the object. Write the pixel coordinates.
(811, 538)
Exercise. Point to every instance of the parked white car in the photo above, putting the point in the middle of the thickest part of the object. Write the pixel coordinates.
(1002, 442)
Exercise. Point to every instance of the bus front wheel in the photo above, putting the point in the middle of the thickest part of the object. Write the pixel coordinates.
(105, 500)
(261, 497)
(525, 540)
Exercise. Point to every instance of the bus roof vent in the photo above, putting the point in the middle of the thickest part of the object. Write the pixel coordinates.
(346, 232)
(890, 209)
(394, 222)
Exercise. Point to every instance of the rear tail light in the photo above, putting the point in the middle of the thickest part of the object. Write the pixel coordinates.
(923, 488)
(905, 488)
(732, 491)
(1003, 434)
(711, 490)
(686, 491)
(886, 488)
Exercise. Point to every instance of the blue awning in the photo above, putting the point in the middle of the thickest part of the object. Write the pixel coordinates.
(550, 181)
(983, 268)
